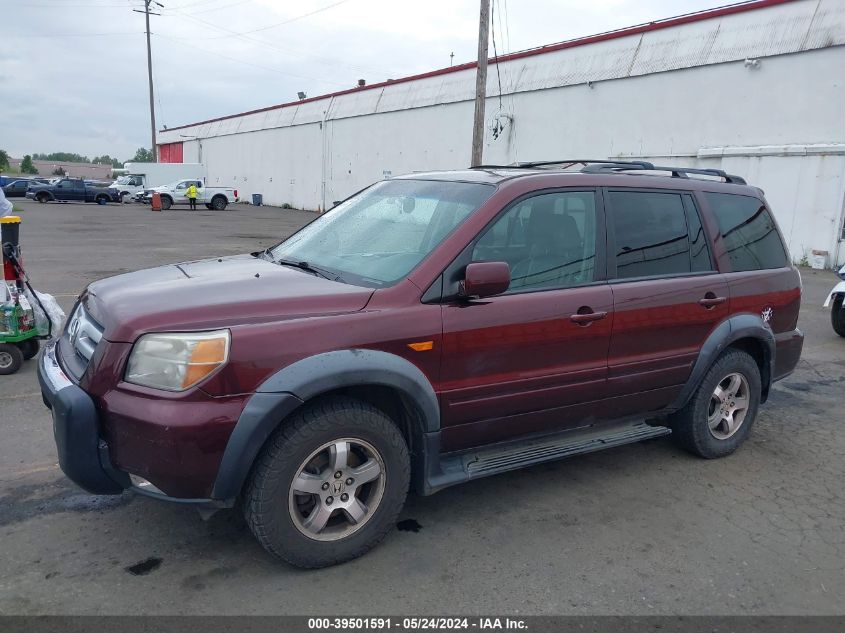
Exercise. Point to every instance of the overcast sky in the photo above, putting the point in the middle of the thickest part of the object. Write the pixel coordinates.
(73, 73)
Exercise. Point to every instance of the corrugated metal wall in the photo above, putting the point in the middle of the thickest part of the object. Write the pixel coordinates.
(668, 93)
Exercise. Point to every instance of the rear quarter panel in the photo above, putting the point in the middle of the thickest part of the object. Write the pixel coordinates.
(774, 295)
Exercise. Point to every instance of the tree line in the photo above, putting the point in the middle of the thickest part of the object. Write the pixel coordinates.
(142, 155)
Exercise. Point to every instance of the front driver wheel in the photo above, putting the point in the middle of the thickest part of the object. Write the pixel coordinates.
(329, 484)
(719, 416)
(837, 315)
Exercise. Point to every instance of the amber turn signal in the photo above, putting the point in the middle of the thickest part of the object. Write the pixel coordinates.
(421, 346)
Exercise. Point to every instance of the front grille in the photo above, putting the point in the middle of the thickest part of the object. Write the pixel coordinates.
(84, 333)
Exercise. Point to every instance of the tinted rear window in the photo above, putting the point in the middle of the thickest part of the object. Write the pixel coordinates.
(751, 238)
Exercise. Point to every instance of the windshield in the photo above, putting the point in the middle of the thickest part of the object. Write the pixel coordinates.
(125, 180)
(378, 236)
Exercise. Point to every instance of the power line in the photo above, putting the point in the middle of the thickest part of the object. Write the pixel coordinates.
(241, 61)
(54, 35)
(293, 19)
(191, 4)
(495, 52)
(287, 51)
(75, 6)
(225, 6)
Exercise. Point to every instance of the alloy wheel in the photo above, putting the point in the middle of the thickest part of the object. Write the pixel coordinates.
(337, 489)
(728, 406)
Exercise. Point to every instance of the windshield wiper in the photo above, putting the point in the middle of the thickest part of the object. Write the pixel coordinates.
(308, 268)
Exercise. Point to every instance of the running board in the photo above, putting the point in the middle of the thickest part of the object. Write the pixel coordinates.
(474, 464)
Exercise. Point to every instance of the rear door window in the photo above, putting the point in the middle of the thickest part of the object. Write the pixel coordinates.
(654, 235)
(749, 232)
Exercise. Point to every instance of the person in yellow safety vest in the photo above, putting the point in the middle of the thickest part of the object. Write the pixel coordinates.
(192, 196)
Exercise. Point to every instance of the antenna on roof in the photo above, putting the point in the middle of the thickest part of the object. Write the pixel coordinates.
(301, 95)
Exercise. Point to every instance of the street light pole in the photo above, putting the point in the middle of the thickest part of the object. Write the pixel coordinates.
(480, 84)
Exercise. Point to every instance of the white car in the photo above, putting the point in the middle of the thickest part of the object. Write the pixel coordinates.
(217, 198)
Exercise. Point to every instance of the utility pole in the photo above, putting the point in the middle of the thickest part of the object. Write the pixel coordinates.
(147, 14)
(480, 84)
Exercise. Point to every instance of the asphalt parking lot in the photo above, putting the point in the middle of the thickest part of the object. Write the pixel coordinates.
(642, 529)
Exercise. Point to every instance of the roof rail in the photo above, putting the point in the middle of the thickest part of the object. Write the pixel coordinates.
(568, 162)
(637, 164)
(592, 166)
(677, 172)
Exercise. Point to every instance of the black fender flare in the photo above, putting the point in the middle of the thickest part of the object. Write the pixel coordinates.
(729, 331)
(289, 388)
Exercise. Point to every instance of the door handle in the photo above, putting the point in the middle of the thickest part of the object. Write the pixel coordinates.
(711, 301)
(586, 318)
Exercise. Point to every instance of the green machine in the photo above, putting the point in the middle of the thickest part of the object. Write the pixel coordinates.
(19, 332)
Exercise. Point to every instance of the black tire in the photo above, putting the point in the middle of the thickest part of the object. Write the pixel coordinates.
(690, 427)
(101, 200)
(837, 315)
(166, 203)
(42, 197)
(219, 203)
(29, 348)
(268, 508)
(11, 358)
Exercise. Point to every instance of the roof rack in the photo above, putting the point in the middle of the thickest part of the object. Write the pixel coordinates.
(593, 166)
(677, 172)
(569, 162)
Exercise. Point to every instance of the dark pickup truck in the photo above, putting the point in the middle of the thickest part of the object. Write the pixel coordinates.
(72, 190)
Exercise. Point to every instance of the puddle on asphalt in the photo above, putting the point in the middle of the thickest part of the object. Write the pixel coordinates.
(144, 567)
(408, 525)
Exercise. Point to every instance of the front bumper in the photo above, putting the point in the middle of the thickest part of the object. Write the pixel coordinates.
(83, 455)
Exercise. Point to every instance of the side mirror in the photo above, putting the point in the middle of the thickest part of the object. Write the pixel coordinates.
(485, 279)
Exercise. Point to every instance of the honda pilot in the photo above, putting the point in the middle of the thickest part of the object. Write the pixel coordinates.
(430, 330)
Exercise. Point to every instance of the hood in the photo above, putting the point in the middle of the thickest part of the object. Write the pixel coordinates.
(214, 293)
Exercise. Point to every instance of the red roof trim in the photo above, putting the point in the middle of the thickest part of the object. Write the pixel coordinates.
(699, 16)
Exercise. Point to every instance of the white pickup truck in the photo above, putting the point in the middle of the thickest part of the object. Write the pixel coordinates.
(217, 198)
(141, 177)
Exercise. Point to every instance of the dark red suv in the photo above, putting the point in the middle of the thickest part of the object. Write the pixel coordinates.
(429, 330)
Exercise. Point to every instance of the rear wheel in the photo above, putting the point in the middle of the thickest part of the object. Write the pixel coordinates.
(29, 348)
(329, 483)
(837, 315)
(719, 416)
(11, 359)
(218, 203)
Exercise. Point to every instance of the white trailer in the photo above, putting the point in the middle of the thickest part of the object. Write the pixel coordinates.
(140, 177)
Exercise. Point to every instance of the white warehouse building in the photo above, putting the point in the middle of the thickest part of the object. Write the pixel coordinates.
(756, 89)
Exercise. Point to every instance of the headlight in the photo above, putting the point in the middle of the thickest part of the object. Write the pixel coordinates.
(176, 362)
